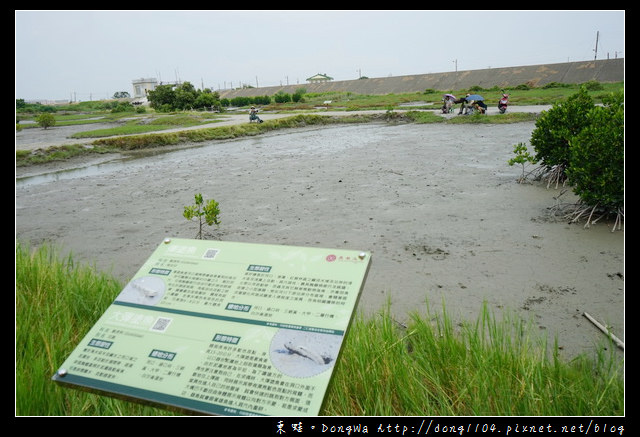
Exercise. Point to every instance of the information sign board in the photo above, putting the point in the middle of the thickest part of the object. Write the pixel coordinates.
(224, 328)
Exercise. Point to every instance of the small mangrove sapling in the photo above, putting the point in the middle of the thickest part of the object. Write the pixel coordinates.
(204, 213)
(523, 157)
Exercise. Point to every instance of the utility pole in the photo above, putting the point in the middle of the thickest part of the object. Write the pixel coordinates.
(456, 64)
(596, 49)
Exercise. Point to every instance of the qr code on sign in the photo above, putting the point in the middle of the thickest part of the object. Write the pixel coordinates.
(210, 254)
(161, 324)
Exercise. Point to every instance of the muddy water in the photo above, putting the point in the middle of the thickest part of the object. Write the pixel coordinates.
(437, 205)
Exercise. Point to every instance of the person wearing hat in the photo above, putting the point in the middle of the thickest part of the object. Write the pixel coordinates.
(253, 115)
(462, 101)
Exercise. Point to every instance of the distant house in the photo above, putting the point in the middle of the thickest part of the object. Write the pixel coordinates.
(142, 86)
(319, 78)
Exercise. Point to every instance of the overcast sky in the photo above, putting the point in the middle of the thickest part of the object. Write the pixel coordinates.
(90, 55)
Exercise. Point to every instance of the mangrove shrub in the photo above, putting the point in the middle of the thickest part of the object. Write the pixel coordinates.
(596, 170)
(554, 130)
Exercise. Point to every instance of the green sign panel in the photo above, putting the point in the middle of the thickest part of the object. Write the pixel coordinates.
(224, 328)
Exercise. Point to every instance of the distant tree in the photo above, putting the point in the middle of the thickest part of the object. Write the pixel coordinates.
(241, 101)
(185, 96)
(282, 97)
(46, 120)
(261, 100)
(216, 94)
(206, 100)
(162, 98)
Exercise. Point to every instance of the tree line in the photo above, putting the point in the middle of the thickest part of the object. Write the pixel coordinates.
(184, 97)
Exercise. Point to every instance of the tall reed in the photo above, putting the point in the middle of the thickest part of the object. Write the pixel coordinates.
(496, 366)
(57, 302)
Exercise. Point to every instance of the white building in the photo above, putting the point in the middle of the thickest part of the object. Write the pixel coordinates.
(142, 86)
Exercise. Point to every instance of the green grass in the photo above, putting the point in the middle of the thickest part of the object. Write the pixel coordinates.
(429, 367)
(432, 98)
(57, 301)
(482, 368)
(136, 126)
(72, 119)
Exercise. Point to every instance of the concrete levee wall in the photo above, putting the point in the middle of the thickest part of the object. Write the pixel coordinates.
(609, 70)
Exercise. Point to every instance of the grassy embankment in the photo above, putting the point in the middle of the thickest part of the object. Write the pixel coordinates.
(429, 367)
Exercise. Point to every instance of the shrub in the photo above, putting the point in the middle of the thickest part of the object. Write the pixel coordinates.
(261, 100)
(46, 120)
(282, 97)
(554, 130)
(122, 107)
(596, 169)
(556, 85)
(593, 85)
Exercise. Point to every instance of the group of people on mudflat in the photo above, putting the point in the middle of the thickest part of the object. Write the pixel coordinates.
(466, 103)
(471, 103)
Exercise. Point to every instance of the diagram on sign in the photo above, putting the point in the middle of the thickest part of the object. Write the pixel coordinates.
(303, 354)
(147, 290)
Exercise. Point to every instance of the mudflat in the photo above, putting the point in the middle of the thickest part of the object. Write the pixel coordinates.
(437, 205)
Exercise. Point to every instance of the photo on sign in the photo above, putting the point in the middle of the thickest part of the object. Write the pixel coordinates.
(147, 290)
(303, 354)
